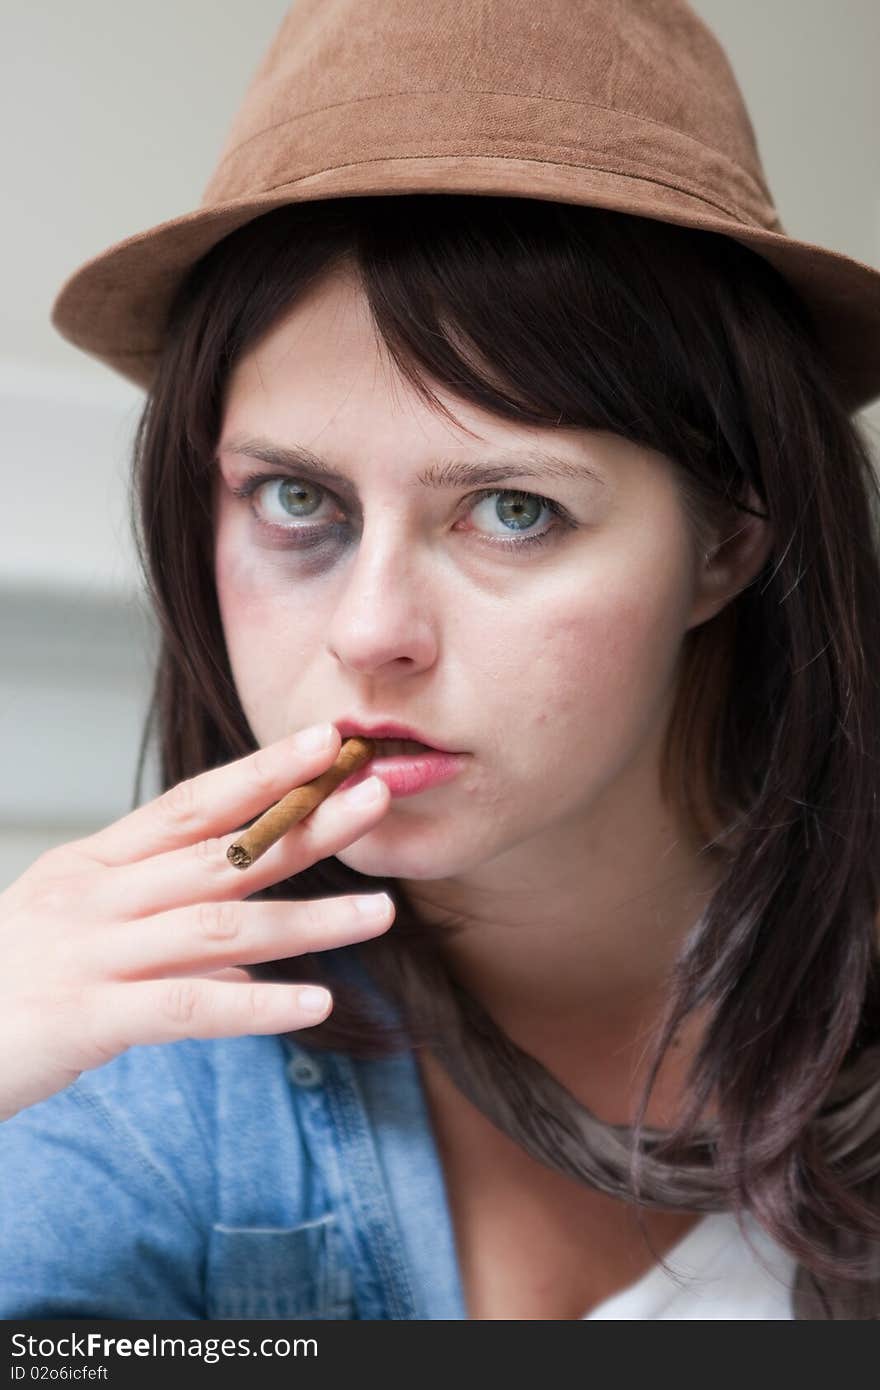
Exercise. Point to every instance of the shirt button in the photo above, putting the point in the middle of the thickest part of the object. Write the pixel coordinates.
(304, 1072)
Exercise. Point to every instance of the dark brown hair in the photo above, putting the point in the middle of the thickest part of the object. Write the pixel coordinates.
(690, 344)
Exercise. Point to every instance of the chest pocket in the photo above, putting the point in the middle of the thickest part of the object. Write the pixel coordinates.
(278, 1271)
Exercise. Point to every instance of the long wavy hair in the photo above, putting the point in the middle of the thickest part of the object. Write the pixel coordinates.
(688, 343)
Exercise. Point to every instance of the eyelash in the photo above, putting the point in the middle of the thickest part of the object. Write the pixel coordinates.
(255, 480)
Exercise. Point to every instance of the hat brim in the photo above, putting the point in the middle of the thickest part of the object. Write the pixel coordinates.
(114, 307)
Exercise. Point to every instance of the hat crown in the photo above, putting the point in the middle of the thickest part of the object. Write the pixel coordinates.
(627, 105)
(640, 88)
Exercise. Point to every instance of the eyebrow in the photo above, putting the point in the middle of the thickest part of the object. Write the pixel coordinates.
(444, 473)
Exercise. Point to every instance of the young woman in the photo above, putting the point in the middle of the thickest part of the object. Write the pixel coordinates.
(574, 497)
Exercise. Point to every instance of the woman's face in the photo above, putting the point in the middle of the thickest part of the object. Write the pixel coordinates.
(542, 647)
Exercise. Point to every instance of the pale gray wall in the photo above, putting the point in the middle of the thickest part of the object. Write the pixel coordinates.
(113, 116)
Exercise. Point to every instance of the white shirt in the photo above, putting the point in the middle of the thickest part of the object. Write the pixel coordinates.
(719, 1278)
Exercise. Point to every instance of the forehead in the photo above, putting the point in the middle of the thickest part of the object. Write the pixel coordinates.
(321, 381)
(329, 328)
(320, 392)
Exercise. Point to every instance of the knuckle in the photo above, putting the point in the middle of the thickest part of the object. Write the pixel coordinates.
(52, 860)
(78, 852)
(50, 867)
(51, 897)
(259, 1003)
(263, 776)
(181, 1001)
(178, 805)
(219, 921)
(211, 854)
(104, 1036)
(312, 918)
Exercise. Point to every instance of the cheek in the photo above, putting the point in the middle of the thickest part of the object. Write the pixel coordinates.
(611, 656)
(269, 631)
(593, 675)
(240, 597)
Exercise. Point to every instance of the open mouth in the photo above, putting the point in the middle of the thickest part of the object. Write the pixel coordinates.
(399, 747)
(407, 767)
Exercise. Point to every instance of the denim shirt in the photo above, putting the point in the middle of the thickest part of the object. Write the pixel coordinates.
(239, 1177)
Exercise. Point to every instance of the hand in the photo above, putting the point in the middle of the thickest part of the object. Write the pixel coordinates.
(137, 934)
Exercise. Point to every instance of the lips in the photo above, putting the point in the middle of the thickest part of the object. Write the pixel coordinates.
(388, 732)
(408, 773)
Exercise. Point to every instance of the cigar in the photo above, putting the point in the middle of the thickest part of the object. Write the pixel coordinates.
(298, 804)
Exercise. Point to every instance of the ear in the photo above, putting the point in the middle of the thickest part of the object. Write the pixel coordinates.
(737, 552)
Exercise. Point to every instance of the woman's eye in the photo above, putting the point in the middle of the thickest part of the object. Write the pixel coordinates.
(515, 514)
(294, 498)
(512, 518)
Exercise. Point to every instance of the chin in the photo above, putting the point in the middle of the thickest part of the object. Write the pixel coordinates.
(421, 859)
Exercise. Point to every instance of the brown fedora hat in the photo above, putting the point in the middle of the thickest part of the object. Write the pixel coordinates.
(619, 104)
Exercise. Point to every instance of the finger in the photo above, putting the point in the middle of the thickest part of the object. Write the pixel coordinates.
(158, 1011)
(231, 974)
(210, 935)
(202, 872)
(212, 802)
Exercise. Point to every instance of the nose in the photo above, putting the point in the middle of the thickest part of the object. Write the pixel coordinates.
(383, 616)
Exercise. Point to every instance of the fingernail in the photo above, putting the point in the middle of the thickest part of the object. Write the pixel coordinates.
(365, 793)
(373, 904)
(314, 1001)
(311, 739)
